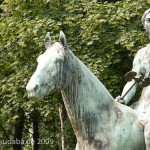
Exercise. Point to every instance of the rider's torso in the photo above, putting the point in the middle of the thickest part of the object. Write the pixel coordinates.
(143, 105)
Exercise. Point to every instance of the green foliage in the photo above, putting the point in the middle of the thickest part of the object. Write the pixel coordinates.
(105, 36)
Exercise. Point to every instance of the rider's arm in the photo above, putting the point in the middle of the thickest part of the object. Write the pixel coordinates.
(136, 68)
(131, 93)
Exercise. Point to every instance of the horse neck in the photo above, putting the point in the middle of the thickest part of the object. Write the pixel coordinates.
(84, 98)
(84, 86)
(84, 81)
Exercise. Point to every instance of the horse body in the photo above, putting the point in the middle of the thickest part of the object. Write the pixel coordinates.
(98, 121)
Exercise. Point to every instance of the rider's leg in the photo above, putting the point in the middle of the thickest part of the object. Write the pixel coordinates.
(147, 135)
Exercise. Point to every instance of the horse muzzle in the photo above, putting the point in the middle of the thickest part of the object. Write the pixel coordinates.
(32, 90)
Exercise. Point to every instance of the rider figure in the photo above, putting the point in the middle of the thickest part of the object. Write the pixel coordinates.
(141, 65)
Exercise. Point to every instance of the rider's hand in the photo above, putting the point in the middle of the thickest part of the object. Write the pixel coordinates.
(118, 99)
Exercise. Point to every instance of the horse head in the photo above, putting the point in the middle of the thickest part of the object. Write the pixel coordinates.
(51, 72)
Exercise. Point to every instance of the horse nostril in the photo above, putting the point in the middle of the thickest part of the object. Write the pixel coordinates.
(36, 87)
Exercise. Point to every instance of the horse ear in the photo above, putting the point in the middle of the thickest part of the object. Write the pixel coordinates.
(62, 40)
(47, 40)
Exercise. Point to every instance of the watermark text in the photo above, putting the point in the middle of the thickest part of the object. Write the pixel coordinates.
(26, 142)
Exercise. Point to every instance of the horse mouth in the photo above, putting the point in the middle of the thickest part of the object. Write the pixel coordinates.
(39, 91)
(39, 95)
(33, 95)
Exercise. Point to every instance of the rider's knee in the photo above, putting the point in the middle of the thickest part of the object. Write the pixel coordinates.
(147, 131)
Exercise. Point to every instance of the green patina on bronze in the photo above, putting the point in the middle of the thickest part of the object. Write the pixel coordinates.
(98, 121)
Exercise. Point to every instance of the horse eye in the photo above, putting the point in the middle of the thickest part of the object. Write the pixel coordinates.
(148, 19)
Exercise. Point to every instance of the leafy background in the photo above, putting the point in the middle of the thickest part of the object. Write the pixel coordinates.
(104, 35)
